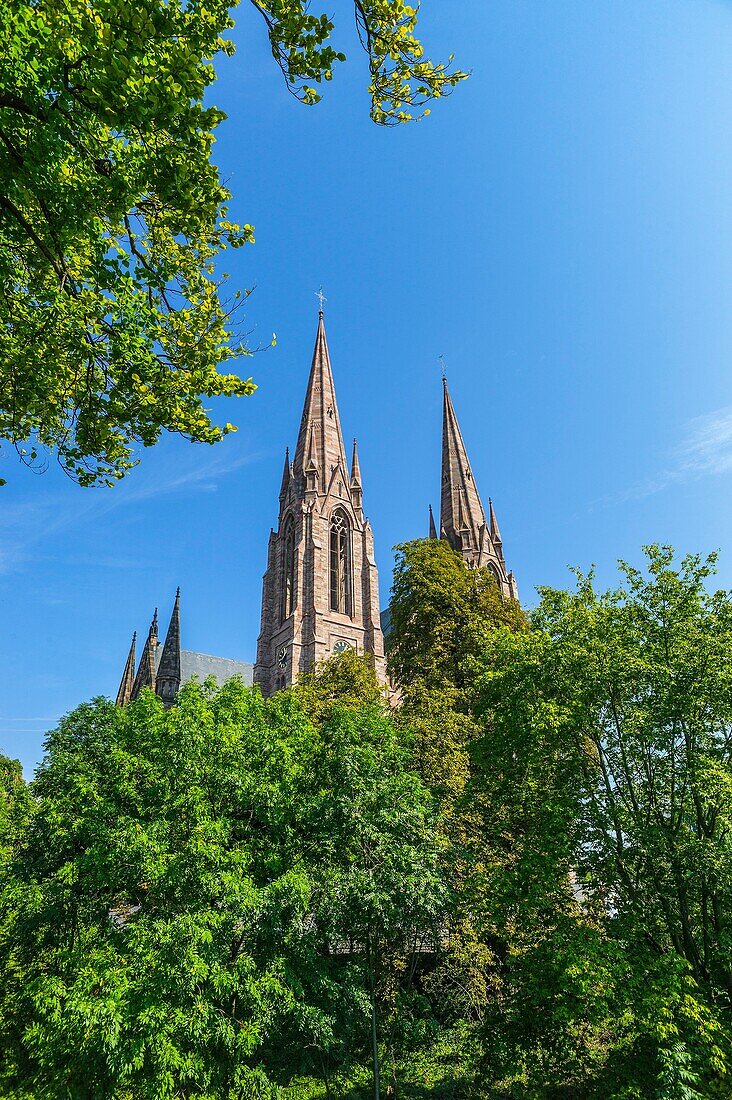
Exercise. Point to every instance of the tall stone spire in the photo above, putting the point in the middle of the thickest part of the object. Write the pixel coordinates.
(495, 533)
(355, 468)
(320, 594)
(462, 518)
(356, 486)
(461, 509)
(128, 677)
(286, 473)
(146, 669)
(168, 678)
(320, 440)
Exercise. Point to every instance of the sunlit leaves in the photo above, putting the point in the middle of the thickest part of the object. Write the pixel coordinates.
(177, 918)
(604, 786)
(114, 325)
(402, 79)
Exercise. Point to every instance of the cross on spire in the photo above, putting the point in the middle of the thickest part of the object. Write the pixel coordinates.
(321, 298)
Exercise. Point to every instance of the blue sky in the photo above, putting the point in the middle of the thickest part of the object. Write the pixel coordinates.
(560, 230)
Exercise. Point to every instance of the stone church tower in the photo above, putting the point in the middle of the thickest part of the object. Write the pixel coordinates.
(320, 593)
(462, 519)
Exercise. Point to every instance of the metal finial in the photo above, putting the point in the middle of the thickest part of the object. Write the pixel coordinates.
(177, 593)
(321, 298)
(441, 361)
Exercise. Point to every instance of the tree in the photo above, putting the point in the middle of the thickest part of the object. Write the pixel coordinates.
(442, 617)
(208, 899)
(15, 806)
(446, 620)
(380, 896)
(146, 918)
(344, 680)
(603, 781)
(114, 325)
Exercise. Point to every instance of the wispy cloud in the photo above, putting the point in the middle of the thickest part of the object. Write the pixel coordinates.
(708, 446)
(203, 477)
(27, 524)
(704, 451)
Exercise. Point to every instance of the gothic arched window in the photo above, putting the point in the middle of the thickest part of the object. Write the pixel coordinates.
(341, 589)
(288, 570)
(496, 575)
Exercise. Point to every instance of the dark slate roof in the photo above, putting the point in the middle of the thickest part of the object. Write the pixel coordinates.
(223, 668)
(202, 665)
(386, 621)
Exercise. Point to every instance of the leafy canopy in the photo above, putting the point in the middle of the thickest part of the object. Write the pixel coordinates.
(602, 866)
(402, 80)
(344, 680)
(442, 617)
(15, 806)
(114, 325)
(206, 898)
(515, 884)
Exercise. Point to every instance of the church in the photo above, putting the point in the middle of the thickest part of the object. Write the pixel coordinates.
(320, 593)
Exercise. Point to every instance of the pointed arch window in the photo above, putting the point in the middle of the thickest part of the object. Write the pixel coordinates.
(341, 586)
(493, 569)
(288, 570)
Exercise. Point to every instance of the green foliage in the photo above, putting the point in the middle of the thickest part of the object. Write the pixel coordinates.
(111, 215)
(206, 896)
(515, 885)
(15, 806)
(442, 615)
(114, 325)
(145, 903)
(601, 865)
(642, 680)
(344, 680)
(402, 80)
(382, 895)
(445, 619)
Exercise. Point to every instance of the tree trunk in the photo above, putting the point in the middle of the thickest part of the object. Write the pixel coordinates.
(326, 1078)
(375, 1045)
